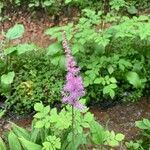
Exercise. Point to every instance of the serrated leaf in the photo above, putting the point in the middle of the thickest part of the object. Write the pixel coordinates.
(15, 32)
(8, 78)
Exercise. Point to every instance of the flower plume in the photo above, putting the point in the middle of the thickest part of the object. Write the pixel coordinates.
(73, 89)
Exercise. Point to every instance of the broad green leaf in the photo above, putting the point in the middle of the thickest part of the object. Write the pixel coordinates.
(14, 143)
(39, 124)
(2, 145)
(55, 60)
(28, 145)
(134, 79)
(88, 117)
(15, 32)
(98, 133)
(34, 135)
(10, 50)
(7, 79)
(22, 48)
(20, 132)
(146, 122)
(54, 49)
(110, 69)
(38, 107)
(48, 3)
(140, 125)
(132, 10)
(98, 80)
(113, 80)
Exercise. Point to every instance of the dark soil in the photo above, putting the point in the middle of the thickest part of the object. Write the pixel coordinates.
(122, 117)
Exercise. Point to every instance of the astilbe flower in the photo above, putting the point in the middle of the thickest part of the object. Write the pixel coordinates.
(73, 89)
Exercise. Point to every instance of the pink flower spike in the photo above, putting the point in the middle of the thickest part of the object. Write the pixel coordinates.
(73, 89)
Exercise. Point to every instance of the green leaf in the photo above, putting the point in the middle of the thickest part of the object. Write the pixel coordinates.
(22, 48)
(29, 145)
(54, 49)
(14, 143)
(110, 69)
(98, 80)
(146, 122)
(15, 32)
(113, 143)
(20, 132)
(134, 79)
(2, 145)
(113, 80)
(119, 137)
(143, 124)
(38, 107)
(2, 113)
(98, 133)
(132, 10)
(88, 117)
(47, 3)
(34, 134)
(7, 79)
(10, 50)
(39, 124)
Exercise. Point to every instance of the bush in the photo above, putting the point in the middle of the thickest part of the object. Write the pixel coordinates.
(114, 61)
(36, 80)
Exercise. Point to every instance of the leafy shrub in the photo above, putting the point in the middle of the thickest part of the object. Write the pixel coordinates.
(111, 62)
(35, 81)
(27, 75)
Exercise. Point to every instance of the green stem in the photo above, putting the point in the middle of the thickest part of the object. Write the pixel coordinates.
(73, 121)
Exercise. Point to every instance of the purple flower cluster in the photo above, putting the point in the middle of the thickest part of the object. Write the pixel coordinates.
(73, 89)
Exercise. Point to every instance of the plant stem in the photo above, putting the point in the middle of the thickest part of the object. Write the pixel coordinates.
(73, 121)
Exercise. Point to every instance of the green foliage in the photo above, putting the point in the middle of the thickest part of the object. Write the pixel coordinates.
(144, 142)
(109, 58)
(7, 79)
(53, 130)
(52, 142)
(2, 144)
(15, 32)
(35, 81)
